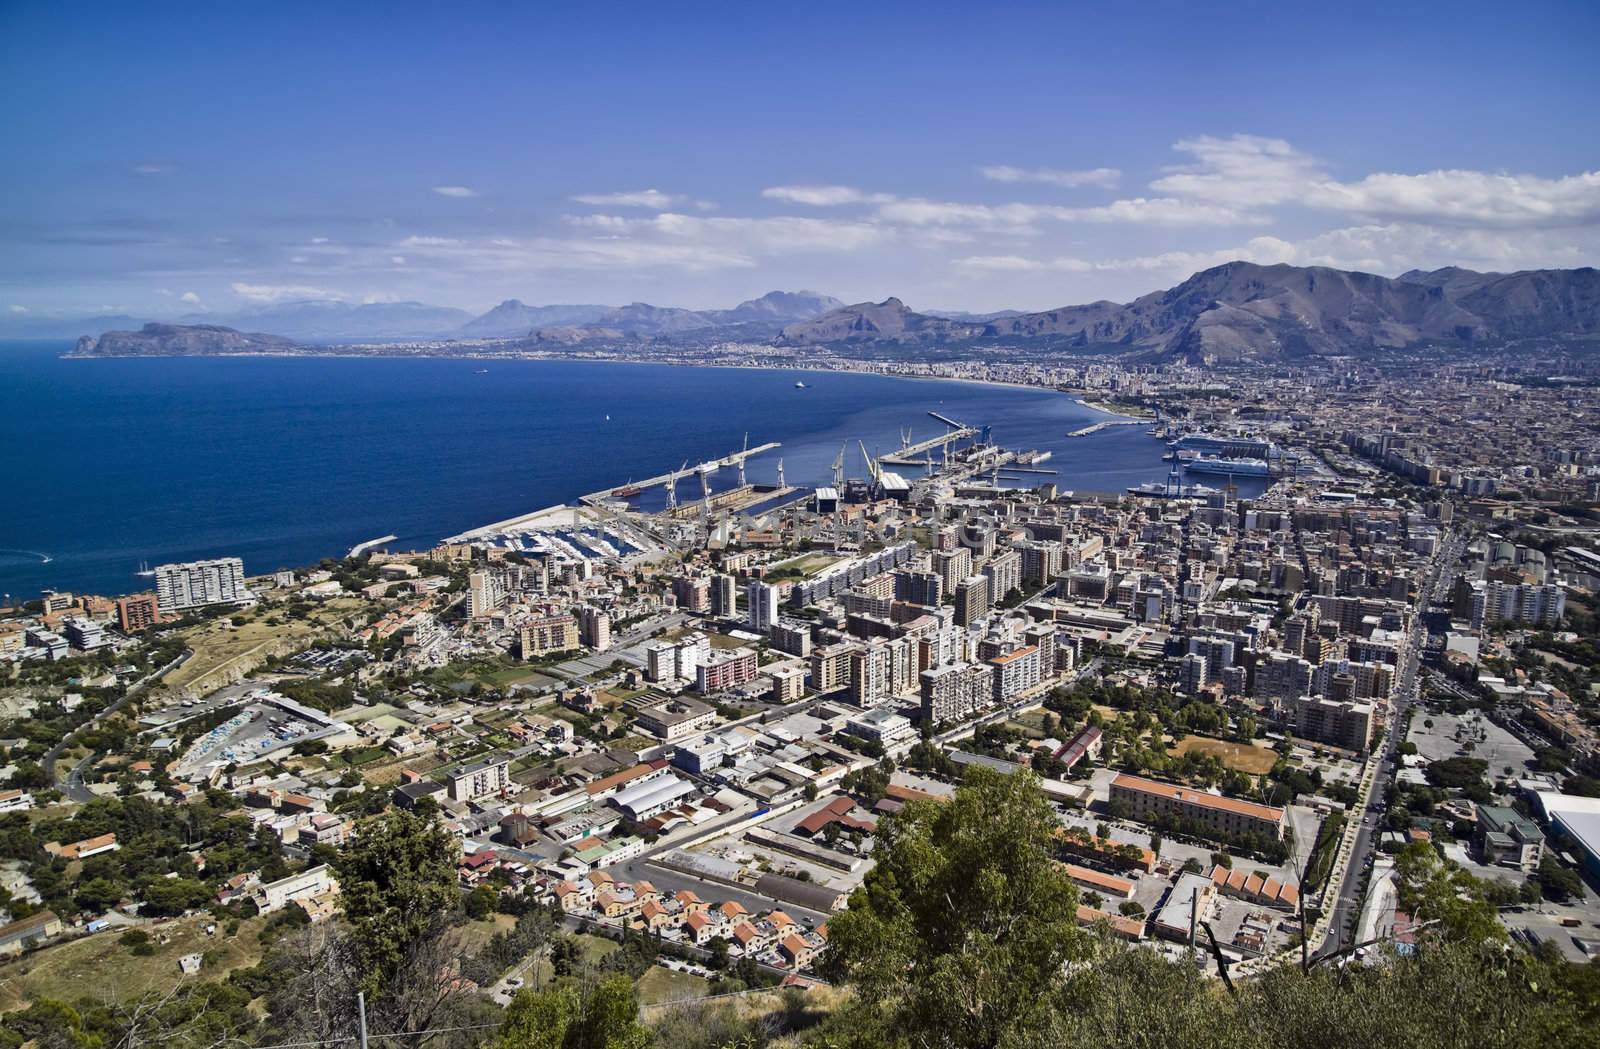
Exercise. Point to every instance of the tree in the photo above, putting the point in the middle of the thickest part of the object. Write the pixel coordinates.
(1445, 900)
(479, 903)
(397, 877)
(965, 920)
(605, 1017)
(1557, 882)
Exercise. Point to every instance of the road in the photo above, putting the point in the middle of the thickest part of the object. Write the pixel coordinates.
(74, 789)
(1341, 931)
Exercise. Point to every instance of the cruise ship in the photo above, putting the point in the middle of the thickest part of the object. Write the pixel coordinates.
(1210, 464)
(1211, 444)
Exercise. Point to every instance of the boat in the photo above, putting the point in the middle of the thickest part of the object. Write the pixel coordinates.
(628, 491)
(1157, 490)
(1211, 464)
(1212, 444)
(801, 386)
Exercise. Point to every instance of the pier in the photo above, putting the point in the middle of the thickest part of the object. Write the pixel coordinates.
(370, 544)
(733, 459)
(1105, 424)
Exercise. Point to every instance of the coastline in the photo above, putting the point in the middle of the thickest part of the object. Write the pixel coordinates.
(577, 358)
(532, 501)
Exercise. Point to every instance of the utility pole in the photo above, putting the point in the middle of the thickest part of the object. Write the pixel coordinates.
(361, 1011)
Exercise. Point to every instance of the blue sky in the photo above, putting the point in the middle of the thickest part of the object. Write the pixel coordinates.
(211, 157)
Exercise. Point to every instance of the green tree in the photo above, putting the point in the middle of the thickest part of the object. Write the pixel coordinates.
(605, 1017)
(396, 878)
(965, 920)
(1448, 902)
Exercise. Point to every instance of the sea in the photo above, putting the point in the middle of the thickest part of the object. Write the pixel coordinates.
(110, 465)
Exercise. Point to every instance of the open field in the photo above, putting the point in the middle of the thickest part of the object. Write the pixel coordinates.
(99, 967)
(1241, 757)
(809, 564)
(659, 985)
(718, 641)
(595, 948)
(224, 652)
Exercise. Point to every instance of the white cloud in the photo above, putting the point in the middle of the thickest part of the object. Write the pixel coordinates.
(264, 293)
(1469, 198)
(1265, 250)
(455, 191)
(153, 169)
(766, 236)
(398, 260)
(1162, 211)
(824, 196)
(1105, 178)
(1242, 170)
(319, 240)
(643, 198)
(190, 297)
(1251, 171)
(18, 309)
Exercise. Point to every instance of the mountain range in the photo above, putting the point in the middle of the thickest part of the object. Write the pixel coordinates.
(326, 321)
(1241, 309)
(1236, 310)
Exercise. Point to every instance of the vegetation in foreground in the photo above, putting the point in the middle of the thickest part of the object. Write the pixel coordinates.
(964, 936)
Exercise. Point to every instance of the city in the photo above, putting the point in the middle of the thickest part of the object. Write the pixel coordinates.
(1000, 526)
(1250, 715)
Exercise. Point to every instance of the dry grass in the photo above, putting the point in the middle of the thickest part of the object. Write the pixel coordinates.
(100, 967)
(658, 986)
(1241, 757)
(220, 645)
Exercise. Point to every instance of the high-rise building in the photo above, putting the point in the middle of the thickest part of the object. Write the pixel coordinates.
(1343, 724)
(196, 584)
(955, 691)
(972, 599)
(594, 628)
(558, 633)
(952, 566)
(693, 592)
(722, 596)
(137, 612)
(486, 591)
(1004, 572)
(761, 606)
(918, 588)
(1015, 673)
(726, 669)
(870, 667)
(1041, 562)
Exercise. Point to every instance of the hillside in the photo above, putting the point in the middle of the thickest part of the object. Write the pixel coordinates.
(1241, 309)
(179, 340)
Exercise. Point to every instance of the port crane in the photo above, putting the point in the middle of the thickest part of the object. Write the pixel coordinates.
(872, 464)
(838, 467)
(672, 486)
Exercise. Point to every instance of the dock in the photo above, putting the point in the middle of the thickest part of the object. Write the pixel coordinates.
(1106, 424)
(735, 459)
(370, 544)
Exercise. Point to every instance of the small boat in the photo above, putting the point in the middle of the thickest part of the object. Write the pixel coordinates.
(608, 418)
(628, 491)
(801, 386)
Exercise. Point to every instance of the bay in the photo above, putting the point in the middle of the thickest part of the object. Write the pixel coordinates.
(283, 461)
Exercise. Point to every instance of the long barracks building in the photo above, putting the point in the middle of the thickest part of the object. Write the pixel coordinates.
(1229, 817)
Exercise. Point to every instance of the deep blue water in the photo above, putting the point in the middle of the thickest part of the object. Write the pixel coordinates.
(284, 461)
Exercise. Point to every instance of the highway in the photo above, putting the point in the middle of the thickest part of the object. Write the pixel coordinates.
(1352, 878)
